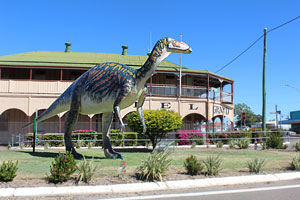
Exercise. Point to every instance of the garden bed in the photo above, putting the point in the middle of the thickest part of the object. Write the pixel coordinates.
(34, 166)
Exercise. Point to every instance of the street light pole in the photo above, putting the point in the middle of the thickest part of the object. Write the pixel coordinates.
(293, 87)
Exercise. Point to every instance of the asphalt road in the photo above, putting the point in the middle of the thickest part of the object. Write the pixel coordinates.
(284, 190)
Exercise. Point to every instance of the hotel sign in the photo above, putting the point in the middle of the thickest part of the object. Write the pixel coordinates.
(220, 110)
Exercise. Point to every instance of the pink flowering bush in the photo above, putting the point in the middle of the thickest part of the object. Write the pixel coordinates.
(187, 137)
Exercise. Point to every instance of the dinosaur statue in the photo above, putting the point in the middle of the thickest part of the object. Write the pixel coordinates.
(107, 88)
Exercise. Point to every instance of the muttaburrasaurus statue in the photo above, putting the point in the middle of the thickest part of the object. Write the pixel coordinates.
(107, 88)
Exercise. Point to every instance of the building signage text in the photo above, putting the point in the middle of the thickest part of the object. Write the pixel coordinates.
(220, 110)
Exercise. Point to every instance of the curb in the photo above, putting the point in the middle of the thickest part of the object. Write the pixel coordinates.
(145, 187)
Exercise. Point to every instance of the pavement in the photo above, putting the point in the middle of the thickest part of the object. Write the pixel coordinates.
(145, 187)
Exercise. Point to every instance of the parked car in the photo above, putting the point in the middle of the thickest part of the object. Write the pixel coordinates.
(245, 128)
(290, 133)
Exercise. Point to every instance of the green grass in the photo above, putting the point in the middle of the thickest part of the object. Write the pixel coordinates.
(36, 165)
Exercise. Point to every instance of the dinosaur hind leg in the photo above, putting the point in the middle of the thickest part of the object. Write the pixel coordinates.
(71, 120)
(107, 119)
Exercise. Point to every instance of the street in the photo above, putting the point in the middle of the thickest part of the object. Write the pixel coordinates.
(287, 190)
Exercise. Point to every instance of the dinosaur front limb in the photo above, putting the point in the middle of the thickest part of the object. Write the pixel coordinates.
(107, 119)
(117, 111)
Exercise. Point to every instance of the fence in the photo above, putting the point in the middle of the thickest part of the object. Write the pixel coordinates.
(183, 137)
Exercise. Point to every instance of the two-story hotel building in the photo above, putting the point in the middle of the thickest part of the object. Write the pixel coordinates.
(31, 81)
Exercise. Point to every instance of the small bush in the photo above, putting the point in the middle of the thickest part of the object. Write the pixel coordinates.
(275, 141)
(86, 171)
(255, 165)
(192, 165)
(232, 144)
(9, 146)
(296, 163)
(79, 144)
(54, 139)
(242, 143)
(63, 166)
(154, 167)
(193, 145)
(8, 171)
(46, 145)
(219, 144)
(297, 146)
(90, 145)
(213, 165)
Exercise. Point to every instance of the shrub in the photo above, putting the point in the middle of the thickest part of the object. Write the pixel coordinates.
(158, 122)
(275, 141)
(79, 144)
(46, 145)
(297, 146)
(8, 171)
(63, 166)
(86, 170)
(255, 165)
(219, 144)
(54, 139)
(193, 145)
(242, 143)
(213, 165)
(9, 146)
(232, 144)
(90, 145)
(192, 165)
(295, 164)
(117, 138)
(154, 167)
(187, 137)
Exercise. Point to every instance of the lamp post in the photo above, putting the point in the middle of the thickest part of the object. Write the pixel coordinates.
(298, 89)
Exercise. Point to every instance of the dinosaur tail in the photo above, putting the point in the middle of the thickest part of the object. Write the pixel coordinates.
(59, 105)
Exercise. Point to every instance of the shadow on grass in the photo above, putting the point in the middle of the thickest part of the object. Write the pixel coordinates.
(134, 150)
(53, 155)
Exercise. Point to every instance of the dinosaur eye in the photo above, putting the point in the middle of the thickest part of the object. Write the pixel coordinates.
(175, 43)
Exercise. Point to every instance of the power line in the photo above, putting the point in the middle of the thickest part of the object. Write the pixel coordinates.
(235, 58)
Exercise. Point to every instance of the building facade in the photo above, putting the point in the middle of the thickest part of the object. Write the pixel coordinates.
(294, 121)
(30, 82)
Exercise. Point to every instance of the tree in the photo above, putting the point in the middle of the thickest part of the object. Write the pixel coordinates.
(250, 116)
(158, 122)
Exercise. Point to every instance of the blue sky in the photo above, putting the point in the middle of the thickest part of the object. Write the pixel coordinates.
(216, 30)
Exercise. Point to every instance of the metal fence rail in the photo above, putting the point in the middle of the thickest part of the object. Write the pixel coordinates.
(208, 138)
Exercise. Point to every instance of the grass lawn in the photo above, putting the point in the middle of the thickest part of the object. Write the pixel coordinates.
(36, 165)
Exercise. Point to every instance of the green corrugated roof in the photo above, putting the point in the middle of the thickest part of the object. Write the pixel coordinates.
(79, 59)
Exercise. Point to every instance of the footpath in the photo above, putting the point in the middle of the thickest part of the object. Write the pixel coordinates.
(145, 187)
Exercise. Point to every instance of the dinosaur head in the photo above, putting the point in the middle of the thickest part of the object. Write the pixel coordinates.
(175, 46)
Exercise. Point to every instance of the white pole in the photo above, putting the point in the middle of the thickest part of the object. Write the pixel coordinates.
(180, 69)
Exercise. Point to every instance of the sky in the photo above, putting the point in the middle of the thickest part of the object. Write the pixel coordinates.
(217, 31)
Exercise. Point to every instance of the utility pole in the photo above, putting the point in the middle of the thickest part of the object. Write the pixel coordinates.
(264, 83)
(276, 116)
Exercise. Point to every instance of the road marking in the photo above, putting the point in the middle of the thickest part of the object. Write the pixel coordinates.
(161, 196)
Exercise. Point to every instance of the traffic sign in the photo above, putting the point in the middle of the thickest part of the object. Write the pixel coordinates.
(243, 116)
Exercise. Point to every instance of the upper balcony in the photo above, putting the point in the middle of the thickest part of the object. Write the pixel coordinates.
(162, 83)
(189, 92)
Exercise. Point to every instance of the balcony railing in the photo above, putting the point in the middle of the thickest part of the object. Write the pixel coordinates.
(57, 87)
(193, 92)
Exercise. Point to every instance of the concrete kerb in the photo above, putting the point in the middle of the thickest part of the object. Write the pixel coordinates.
(143, 187)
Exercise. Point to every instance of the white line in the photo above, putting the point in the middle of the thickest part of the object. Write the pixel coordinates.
(161, 196)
